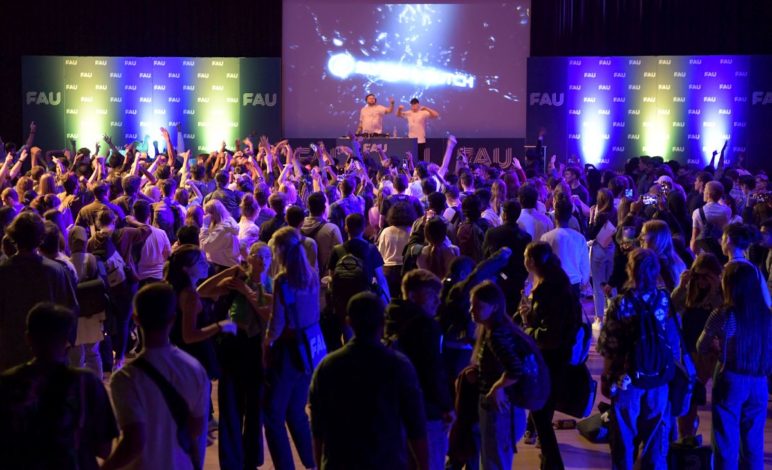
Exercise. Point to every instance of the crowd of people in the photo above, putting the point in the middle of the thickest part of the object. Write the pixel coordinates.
(381, 311)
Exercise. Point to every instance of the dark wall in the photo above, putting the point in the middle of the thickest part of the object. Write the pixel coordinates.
(252, 28)
(650, 27)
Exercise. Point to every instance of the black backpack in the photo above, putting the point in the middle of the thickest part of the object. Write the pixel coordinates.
(651, 360)
(349, 277)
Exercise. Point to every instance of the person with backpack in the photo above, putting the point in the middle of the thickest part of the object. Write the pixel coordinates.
(640, 344)
(412, 330)
(551, 317)
(471, 232)
(742, 330)
(709, 221)
(114, 248)
(325, 234)
(355, 266)
(502, 362)
(735, 242)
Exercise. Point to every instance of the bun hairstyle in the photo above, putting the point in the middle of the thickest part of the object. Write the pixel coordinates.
(249, 206)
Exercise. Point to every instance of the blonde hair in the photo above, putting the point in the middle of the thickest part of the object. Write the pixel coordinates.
(291, 259)
(217, 210)
(661, 244)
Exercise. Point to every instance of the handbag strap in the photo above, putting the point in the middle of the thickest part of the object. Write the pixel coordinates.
(174, 401)
(289, 302)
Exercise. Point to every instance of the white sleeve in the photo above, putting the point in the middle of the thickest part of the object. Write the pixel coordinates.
(129, 408)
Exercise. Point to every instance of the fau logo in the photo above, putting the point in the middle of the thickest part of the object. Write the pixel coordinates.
(70, 62)
(130, 87)
(159, 63)
(725, 86)
(634, 62)
(189, 112)
(589, 74)
(85, 75)
(232, 75)
(589, 99)
(50, 98)
(574, 62)
(145, 75)
(617, 148)
(132, 112)
(649, 74)
(725, 111)
(633, 136)
(663, 62)
(618, 124)
(634, 112)
(710, 74)
(679, 99)
(695, 86)
(679, 124)
(70, 111)
(575, 87)
(188, 136)
(604, 87)
(709, 99)
(116, 99)
(575, 112)
(649, 99)
(695, 112)
(116, 75)
(740, 99)
(100, 62)
(604, 62)
(217, 88)
(708, 124)
(619, 75)
(130, 136)
(633, 87)
(188, 63)
(145, 99)
(130, 63)
(173, 75)
(159, 87)
(618, 99)
(741, 74)
(739, 124)
(693, 136)
(677, 149)
(218, 63)
(725, 61)
(663, 87)
(70, 87)
(695, 61)
(86, 99)
(762, 98)
(174, 99)
(188, 88)
(116, 123)
(159, 111)
(542, 99)
(663, 112)
(679, 74)
(202, 75)
(574, 136)
(604, 112)
(232, 100)
(201, 99)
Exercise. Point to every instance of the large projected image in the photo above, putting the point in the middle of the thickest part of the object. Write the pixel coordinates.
(465, 60)
(206, 99)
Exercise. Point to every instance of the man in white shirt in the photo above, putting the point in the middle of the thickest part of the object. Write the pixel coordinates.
(155, 251)
(716, 214)
(570, 246)
(416, 122)
(371, 116)
(148, 430)
(531, 220)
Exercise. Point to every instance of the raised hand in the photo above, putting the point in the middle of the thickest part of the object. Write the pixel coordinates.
(33, 127)
(452, 140)
(9, 158)
(164, 133)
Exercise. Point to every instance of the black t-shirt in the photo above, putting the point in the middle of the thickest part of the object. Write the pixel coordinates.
(394, 198)
(45, 412)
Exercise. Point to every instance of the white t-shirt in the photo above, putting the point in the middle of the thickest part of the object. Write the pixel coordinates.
(137, 399)
(571, 247)
(416, 124)
(153, 255)
(371, 118)
(717, 214)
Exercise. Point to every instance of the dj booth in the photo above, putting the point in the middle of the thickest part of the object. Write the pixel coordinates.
(393, 146)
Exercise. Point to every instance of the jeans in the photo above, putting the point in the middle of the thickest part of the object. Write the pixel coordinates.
(739, 412)
(499, 432)
(240, 442)
(639, 416)
(86, 355)
(121, 303)
(437, 440)
(601, 265)
(285, 401)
